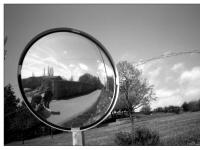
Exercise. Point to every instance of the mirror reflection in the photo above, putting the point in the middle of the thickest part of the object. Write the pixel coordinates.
(68, 80)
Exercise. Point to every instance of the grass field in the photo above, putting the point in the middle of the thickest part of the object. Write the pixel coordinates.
(174, 129)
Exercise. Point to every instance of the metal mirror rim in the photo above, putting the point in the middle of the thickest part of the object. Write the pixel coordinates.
(91, 38)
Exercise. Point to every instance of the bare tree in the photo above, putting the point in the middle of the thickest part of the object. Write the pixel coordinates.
(146, 109)
(135, 91)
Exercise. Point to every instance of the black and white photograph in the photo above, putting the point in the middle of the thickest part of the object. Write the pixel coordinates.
(101, 75)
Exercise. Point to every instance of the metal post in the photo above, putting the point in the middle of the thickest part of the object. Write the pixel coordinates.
(78, 138)
(51, 133)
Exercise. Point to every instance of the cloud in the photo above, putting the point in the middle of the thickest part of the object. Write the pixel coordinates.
(192, 93)
(177, 67)
(29, 71)
(173, 83)
(149, 66)
(154, 73)
(189, 82)
(71, 65)
(153, 76)
(186, 89)
(58, 66)
(51, 60)
(63, 73)
(164, 92)
(174, 100)
(30, 61)
(151, 71)
(35, 55)
(167, 97)
(63, 66)
(83, 66)
(168, 79)
(166, 87)
(77, 72)
(42, 51)
(191, 75)
(65, 52)
(33, 64)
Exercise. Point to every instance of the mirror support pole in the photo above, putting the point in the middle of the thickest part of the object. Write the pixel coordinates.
(78, 138)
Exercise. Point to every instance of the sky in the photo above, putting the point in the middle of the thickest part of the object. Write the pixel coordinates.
(129, 32)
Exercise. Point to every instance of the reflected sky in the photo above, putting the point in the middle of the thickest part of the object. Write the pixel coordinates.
(69, 54)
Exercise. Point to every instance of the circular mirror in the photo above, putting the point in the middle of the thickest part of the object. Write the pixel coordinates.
(68, 79)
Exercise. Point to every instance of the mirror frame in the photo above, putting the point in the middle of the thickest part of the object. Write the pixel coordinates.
(89, 37)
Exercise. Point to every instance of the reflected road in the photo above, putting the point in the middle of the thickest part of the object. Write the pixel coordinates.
(72, 108)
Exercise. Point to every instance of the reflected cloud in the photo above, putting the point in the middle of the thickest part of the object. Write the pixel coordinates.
(83, 66)
(101, 69)
(65, 52)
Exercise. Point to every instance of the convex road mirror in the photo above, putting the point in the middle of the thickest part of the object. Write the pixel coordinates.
(68, 79)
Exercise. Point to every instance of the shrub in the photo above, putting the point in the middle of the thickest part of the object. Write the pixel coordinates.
(159, 109)
(185, 106)
(176, 109)
(191, 106)
(199, 104)
(146, 110)
(123, 138)
(143, 136)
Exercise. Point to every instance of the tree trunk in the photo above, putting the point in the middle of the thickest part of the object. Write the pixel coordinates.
(111, 114)
(51, 133)
(22, 136)
(132, 127)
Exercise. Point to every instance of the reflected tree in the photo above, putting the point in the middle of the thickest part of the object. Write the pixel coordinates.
(90, 79)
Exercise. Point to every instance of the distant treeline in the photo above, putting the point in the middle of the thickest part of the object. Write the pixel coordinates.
(169, 109)
(186, 106)
(191, 106)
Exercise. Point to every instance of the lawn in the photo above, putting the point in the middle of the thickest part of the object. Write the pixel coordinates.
(174, 129)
